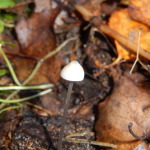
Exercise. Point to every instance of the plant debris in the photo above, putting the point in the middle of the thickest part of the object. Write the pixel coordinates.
(109, 108)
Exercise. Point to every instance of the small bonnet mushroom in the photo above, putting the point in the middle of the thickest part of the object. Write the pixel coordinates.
(71, 72)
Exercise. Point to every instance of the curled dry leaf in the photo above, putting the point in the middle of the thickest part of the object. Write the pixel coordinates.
(139, 10)
(129, 29)
(127, 103)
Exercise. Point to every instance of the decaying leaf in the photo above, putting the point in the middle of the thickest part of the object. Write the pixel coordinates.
(36, 38)
(36, 35)
(23, 68)
(129, 29)
(127, 103)
(47, 73)
(139, 10)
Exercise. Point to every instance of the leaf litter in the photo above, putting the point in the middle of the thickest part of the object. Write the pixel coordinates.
(103, 105)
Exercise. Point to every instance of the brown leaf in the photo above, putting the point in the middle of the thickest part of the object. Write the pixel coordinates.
(127, 103)
(36, 35)
(129, 29)
(23, 68)
(48, 72)
(139, 10)
(36, 38)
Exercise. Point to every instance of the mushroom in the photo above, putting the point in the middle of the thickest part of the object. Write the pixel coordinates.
(71, 72)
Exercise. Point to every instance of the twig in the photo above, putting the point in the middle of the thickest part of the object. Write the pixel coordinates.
(40, 108)
(117, 61)
(133, 134)
(138, 50)
(144, 66)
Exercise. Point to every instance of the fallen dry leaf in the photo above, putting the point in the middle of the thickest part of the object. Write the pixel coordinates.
(23, 68)
(48, 72)
(36, 35)
(127, 103)
(129, 29)
(139, 10)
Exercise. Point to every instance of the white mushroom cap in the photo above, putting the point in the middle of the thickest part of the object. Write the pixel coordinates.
(72, 72)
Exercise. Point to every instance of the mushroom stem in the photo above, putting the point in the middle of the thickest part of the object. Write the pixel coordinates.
(64, 115)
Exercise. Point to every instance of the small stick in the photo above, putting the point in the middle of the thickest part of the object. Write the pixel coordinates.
(133, 134)
(138, 50)
(40, 108)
